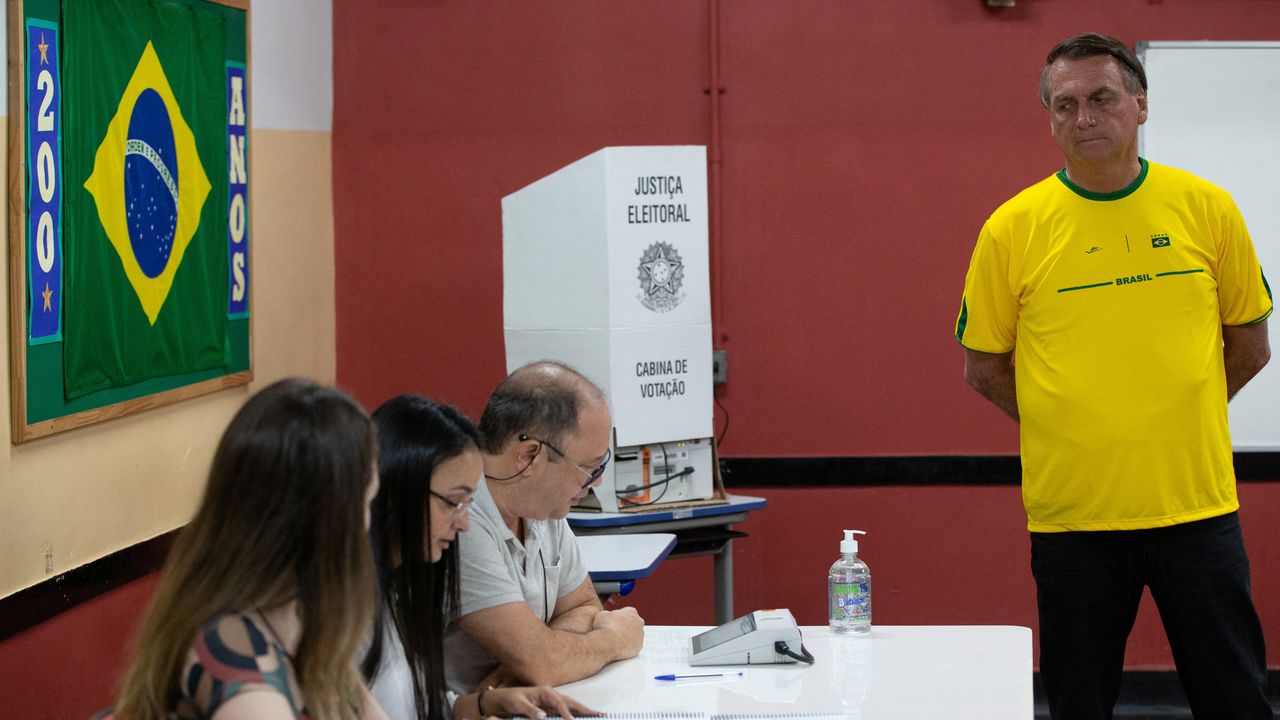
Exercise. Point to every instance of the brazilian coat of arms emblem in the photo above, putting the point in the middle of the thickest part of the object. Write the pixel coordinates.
(661, 274)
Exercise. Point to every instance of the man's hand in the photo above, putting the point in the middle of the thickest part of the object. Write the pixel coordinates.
(627, 626)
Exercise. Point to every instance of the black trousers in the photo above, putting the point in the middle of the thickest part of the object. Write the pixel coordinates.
(1088, 585)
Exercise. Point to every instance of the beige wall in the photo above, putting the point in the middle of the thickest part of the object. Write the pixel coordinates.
(72, 498)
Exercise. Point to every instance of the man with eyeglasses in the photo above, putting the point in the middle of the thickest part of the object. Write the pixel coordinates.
(528, 612)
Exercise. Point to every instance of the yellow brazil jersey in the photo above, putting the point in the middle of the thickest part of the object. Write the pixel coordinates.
(1113, 305)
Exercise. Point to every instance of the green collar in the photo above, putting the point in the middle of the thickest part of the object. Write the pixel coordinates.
(1123, 192)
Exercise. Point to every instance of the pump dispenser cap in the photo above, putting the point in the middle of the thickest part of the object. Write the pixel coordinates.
(848, 544)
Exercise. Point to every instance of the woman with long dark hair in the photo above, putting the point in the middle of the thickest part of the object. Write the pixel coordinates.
(267, 593)
(429, 465)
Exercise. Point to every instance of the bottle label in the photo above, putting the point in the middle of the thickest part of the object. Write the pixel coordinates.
(850, 600)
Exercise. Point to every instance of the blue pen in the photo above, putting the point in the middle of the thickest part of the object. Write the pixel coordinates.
(703, 675)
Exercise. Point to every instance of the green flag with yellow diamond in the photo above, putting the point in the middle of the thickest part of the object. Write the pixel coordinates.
(146, 170)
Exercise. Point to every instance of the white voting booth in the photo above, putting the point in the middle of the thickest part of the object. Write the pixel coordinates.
(605, 268)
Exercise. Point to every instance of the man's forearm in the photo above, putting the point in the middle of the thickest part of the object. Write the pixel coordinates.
(993, 376)
(1245, 351)
(539, 654)
(576, 611)
(577, 620)
(567, 656)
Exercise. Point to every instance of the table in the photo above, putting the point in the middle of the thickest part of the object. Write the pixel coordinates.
(615, 562)
(698, 530)
(962, 672)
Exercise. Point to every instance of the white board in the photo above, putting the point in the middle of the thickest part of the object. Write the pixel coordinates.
(1215, 112)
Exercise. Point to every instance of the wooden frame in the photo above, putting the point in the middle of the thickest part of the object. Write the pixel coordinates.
(57, 416)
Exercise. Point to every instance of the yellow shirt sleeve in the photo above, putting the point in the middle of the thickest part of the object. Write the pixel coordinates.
(988, 317)
(1244, 297)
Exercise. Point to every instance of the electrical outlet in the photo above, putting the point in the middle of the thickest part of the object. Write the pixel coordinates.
(719, 367)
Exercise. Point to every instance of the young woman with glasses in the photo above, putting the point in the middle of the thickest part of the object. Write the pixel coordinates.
(429, 467)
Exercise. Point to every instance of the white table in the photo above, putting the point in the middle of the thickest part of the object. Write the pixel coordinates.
(959, 672)
(615, 562)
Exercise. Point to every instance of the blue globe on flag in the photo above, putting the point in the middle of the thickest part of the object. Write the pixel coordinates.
(151, 183)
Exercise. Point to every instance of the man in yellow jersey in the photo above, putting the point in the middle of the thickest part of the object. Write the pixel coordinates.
(1112, 309)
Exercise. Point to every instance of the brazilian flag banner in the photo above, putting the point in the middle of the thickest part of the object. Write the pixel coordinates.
(146, 167)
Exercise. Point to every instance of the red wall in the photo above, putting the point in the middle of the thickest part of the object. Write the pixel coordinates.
(67, 667)
(864, 144)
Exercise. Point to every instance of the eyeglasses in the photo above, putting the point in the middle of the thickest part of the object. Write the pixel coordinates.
(456, 509)
(591, 475)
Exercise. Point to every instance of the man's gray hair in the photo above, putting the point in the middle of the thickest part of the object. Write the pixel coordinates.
(542, 399)
(1089, 45)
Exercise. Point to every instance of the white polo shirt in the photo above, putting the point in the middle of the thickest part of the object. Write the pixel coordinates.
(496, 568)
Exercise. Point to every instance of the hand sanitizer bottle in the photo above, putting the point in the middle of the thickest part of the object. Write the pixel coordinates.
(849, 590)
